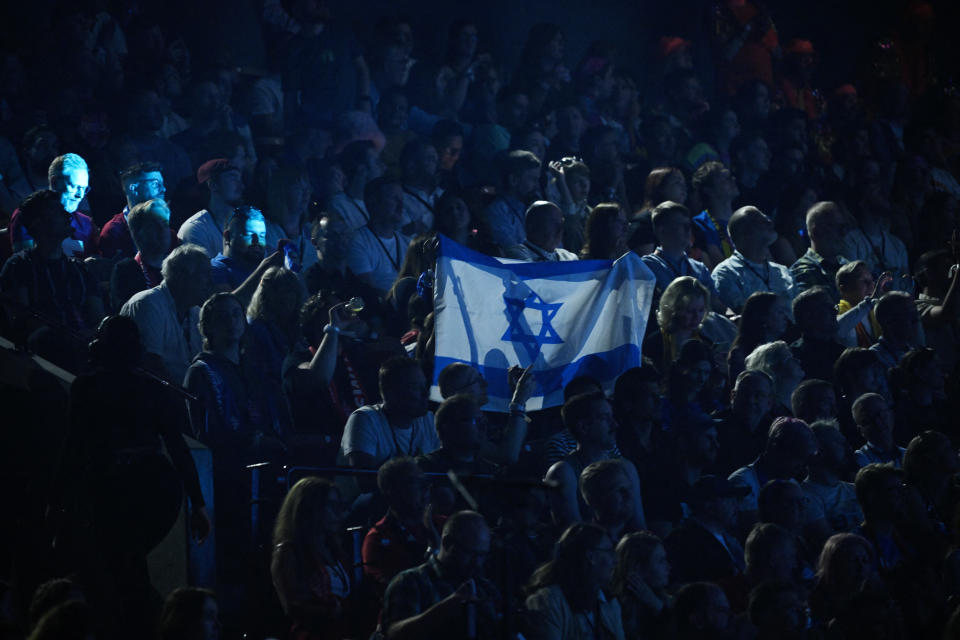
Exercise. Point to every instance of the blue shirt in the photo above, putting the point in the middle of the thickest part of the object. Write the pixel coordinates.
(666, 270)
(228, 271)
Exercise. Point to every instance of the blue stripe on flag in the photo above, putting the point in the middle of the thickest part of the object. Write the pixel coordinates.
(550, 382)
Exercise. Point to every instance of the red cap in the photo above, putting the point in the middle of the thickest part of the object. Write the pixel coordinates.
(845, 90)
(671, 44)
(213, 168)
(799, 46)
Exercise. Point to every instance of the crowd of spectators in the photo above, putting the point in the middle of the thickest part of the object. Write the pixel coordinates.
(232, 236)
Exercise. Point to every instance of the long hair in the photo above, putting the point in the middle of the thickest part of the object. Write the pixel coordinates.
(834, 550)
(267, 303)
(566, 568)
(633, 551)
(597, 242)
(750, 329)
(653, 188)
(298, 523)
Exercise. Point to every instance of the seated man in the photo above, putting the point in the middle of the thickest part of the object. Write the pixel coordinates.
(401, 425)
(167, 315)
(544, 228)
(819, 265)
(742, 429)
(377, 250)
(519, 186)
(141, 182)
(429, 601)
(69, 177)
(817, 348)
(244, 238)
(399, 539)
(589, 417)
(418, 166)
(704, 546)
(44, 278)
(874, 420)
(717, 189)
(749, 269)
(671, 226)
(814, 399)
(205, 228)
(831, 500)
(150, 228)
(880, 493)
(606, 488)
(359, 164)
(462, 429)
(790, 445)
(900, 328)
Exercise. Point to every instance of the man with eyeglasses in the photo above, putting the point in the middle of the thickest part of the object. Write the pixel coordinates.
(69, 176)
(141, 182)
(436, 598)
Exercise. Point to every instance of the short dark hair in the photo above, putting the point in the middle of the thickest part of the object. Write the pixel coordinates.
(705, 174)
(394, 369)
(453, 412)
(579, 408)
(852, 361)
(807, 299)
(239, 219)
(131, 173)
(804, 394)
(516, 162)
(888, 302)
(869, 481)
(391, 471)
(36, 206)
(659, 214)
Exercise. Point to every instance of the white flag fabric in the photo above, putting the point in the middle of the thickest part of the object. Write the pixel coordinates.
(582, 317)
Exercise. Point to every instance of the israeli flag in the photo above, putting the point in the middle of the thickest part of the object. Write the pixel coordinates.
(585, 317)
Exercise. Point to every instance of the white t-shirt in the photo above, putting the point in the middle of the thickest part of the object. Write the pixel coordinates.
(368, 431)
(161, 332)
(200, 229)
(379, 257)
(418, 206)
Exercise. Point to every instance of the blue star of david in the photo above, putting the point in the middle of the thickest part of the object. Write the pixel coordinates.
(519, 331)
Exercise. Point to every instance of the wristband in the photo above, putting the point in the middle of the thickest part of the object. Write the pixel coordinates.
(329, 328)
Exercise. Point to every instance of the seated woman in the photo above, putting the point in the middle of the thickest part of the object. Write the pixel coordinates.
(640, 581)
(605, 233)
(679, 318)
(311, 582)
(567, 599)
(764, 318)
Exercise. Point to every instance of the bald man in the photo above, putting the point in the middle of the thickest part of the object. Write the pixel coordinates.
(544, 226)
(748, 269)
